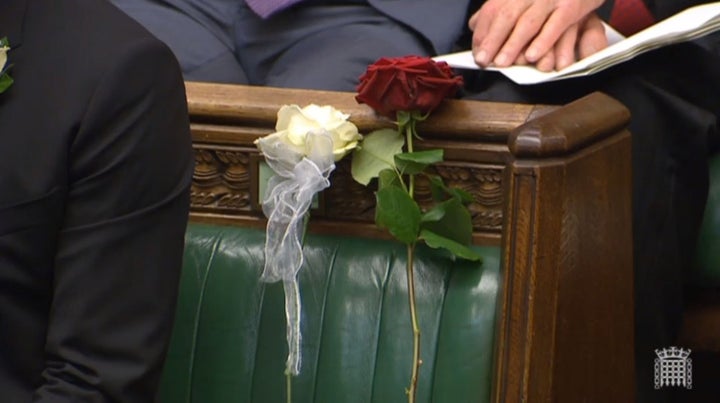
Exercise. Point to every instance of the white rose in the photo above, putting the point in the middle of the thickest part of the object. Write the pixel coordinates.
(3, 57)
(294, 124)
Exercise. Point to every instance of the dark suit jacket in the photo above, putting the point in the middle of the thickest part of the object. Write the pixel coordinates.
(95, 164)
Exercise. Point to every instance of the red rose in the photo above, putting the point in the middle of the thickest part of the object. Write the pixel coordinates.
(410, 83)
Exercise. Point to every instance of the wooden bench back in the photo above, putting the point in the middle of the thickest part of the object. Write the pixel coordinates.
(552, 188)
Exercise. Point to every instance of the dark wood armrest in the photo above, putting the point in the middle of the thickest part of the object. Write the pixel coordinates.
(567, 244)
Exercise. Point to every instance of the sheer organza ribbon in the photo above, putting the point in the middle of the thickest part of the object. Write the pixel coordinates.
(289, 195)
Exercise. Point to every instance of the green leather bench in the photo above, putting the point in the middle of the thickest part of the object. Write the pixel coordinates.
(701, 325)
(229, 343)
(505, 330)
(707, 262)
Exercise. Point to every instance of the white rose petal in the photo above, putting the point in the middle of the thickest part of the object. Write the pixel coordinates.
(299, 126)
(284, 115)
(3, 56)
(294, 123)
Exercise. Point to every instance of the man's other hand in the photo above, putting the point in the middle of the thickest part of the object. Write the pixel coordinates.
(548, 33)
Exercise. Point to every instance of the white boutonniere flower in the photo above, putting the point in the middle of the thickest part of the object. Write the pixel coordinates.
(294, 124)
(302, 153)
(5, 79)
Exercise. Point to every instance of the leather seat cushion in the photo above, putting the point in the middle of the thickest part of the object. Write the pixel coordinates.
(707, 262)
(229, 342)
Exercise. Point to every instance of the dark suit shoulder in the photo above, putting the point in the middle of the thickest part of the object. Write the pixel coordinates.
(94, 19)
(70, 48)
(76, 64)
(85, 37)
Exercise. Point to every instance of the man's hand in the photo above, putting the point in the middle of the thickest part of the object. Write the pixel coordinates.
(579, 41)
(544, 32)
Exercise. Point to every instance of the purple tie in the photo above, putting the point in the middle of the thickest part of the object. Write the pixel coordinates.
(266, 8)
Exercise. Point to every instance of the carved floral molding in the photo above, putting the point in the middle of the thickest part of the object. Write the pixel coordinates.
(226, 182)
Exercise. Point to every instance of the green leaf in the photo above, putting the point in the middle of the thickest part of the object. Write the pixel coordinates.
(376, 153)
(462, 195)
(440, 191)
(454, 221)
(435, 214)
(416, 162)
(434, 240)
(5, 82)
(437, 188)
(399, 213)
(389, 177)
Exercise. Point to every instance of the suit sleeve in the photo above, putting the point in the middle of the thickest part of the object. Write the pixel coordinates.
(120, 248)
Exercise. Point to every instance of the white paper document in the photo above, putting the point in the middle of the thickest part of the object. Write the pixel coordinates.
(689, 24)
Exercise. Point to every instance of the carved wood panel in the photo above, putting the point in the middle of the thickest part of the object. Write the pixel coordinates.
(225, 182)
(221, 182)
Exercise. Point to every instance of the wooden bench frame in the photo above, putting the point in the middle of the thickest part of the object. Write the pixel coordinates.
(552, 186)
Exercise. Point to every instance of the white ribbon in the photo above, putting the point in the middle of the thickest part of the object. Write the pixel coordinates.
(288, 198)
